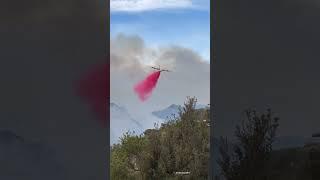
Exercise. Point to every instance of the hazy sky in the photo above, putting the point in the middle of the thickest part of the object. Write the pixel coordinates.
(161, 22)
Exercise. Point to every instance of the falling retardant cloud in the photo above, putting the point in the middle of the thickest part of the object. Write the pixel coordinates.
(145, 87)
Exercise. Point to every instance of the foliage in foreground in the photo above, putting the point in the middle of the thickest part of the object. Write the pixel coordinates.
(179, 145)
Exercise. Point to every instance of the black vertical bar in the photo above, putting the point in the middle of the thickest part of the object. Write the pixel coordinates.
(213, 5)
(107, 27)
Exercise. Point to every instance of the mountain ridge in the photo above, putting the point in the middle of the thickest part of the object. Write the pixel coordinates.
(173, 111)
(120, 117)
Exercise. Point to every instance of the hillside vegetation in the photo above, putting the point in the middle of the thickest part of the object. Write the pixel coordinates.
(178, 145)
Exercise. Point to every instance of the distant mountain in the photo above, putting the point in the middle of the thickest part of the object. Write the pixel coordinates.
(173, 111)
(121, 122)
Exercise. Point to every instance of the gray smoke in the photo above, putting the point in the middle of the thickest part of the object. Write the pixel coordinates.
(190, 75)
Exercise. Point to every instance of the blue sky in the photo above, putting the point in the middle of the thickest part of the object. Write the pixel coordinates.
(164, 22)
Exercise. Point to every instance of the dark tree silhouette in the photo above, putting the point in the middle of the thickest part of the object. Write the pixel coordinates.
(247, 159)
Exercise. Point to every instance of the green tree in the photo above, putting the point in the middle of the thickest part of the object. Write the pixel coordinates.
(126, 157)
(118, 163)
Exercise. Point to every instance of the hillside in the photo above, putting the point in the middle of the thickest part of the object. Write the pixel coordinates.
(122, 121)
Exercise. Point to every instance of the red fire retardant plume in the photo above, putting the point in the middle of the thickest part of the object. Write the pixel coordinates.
(94, 90)
(146, 86)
